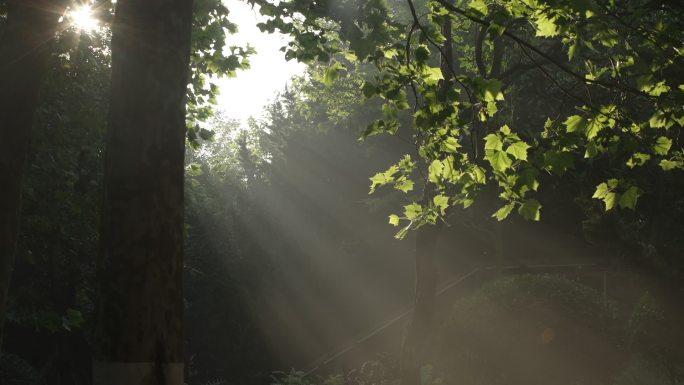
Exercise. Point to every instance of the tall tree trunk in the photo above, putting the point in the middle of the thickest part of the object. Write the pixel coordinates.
(419, 334)
(139, 333)
(24, 53)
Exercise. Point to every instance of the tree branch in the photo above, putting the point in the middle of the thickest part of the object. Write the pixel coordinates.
(497, 57)
(543, 54)
(439, 48)
(408, 61)
(479, 41)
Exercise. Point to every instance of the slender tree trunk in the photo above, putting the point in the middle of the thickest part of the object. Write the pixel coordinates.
(24, 53)
(139, 333)
(419, 333)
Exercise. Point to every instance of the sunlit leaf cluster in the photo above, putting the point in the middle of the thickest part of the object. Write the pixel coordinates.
(210, 58)
(612, 70)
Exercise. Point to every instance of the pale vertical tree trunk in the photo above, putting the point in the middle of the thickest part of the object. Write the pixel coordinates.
(24, 53)
(139, 333)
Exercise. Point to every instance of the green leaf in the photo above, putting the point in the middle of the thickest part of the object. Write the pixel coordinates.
(575, 123)
(206, 134)
(654, 89)
(406, 164)
(448, 171)
(530, 209)
(492, 109)
(195, 169)
(404, 185)
(528, 178)
(390, 53)
(478, 174)
(660, 119)
(495, 30)
(394, 220)
(493, 142)
(591, 150)
(605, 193)
(499, 160)
(390, 110)
(412, 211)
(422, 53)
(572, 50)
(668, 165)
(518, 150)
(662, 145)
(450, 144)
(593, 128)
(435, 171)
(546, 27)
(72, 319)
(383, 178)
(368, 89)
(503, 212)
(379, 127)
(442, 202)
(332, 73)
(601, 191)
(492, 90)
(557, 162)
(638, 159)
(628, 199)
(480, 6)
(432, 75)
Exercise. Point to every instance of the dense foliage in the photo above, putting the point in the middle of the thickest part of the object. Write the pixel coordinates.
(544, 91)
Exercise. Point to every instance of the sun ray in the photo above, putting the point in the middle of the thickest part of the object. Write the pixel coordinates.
(83, 18)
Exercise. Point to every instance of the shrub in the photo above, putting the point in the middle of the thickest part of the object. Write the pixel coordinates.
(14, 370)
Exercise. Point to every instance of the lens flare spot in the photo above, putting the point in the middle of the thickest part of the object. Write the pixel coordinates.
(83, 19)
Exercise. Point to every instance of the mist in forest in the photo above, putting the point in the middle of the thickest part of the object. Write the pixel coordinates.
(443, 192)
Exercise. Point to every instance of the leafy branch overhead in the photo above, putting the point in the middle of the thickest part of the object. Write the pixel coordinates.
(210, 58)
(541, 90)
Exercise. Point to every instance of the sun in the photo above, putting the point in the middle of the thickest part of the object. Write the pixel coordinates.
(83, 19)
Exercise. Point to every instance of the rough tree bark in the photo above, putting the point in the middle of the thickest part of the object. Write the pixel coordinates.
(419, 333)
(24, 53)
(139, 332)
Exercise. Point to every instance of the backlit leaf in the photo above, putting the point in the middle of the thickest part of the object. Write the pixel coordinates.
(442, 202)
(662, 145)
(503, 212)
(412, 211)
(628, 199)
(518, 150)
(575, 123)
(499, 160)
(493, 142)
(530, 210)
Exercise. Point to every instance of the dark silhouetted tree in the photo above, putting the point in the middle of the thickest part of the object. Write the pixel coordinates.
(24, 52)
(139, 337)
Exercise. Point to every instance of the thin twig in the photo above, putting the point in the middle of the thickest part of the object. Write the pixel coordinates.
(543, 54)
(408, 62)
(441, 51)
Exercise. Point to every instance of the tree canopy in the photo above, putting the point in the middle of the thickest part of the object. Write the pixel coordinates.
(541, 87)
